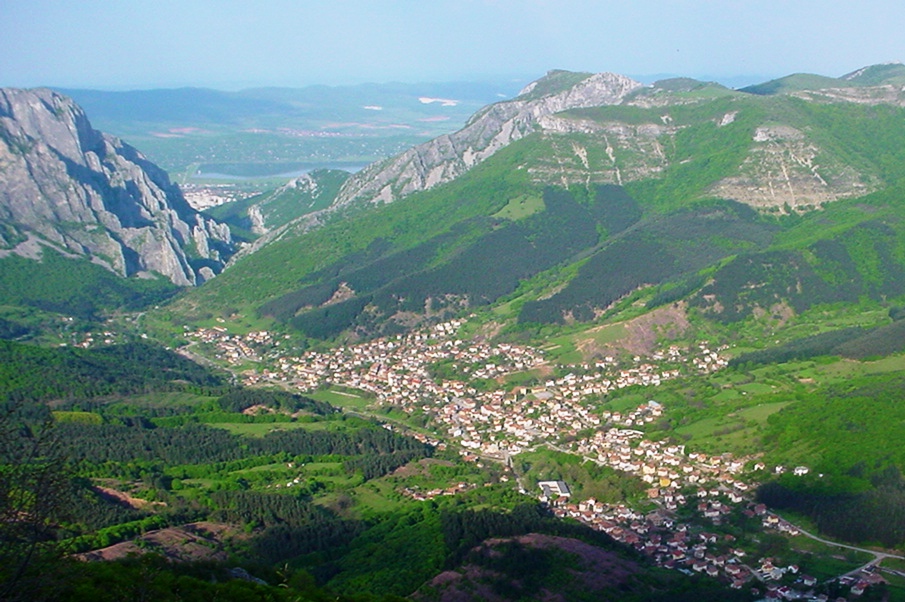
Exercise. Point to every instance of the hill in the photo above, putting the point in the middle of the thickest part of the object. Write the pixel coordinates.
(270, 210)
(615, 186)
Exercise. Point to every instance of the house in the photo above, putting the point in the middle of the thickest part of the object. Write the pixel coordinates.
(555, 488)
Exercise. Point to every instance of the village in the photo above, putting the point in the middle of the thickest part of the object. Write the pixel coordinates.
(491, 423)
(498, 423)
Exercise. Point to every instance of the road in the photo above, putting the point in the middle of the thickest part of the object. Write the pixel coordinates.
(878, 557)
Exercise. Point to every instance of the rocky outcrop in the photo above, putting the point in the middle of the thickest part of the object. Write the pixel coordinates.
(786, 169)
(65, 185)
(491, 129)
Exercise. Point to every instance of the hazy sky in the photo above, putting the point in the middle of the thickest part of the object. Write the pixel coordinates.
(230, 44)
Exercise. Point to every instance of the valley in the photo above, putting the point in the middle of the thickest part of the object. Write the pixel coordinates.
(654, 333)
(687, 492)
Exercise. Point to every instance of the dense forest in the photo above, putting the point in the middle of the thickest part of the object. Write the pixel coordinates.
(653, 252)
(75, 288)
(29, 372)
(475, 262)
(854, 343)
(867, 262)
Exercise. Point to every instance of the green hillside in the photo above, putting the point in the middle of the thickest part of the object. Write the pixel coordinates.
(796, 83)
(462, 245)
(278, 207)
(139, 449)
(75, 287)
(876, 75)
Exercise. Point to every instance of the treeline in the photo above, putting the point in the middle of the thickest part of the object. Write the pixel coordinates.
(652, 253)
(463, 530)
(75, 287)
(201, 444)
(406, 549)
(864, 261)
(115, 534)
(32, 373)
(152, 577)
(854, 343)
(240, 400)
(672, 292)
(91, 510)
(825, 343)
(12, 330)
(289, 525)
(474, 263)
(840, 427)
(373, 466)
(874, 515)
(482, 271)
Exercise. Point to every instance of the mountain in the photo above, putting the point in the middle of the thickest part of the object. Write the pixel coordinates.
(583, 190)
(447, 157)
(491, 129)
(69, 188)
(270, 210)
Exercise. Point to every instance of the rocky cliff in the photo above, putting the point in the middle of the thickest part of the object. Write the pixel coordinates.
(65, 185)
(491, 129)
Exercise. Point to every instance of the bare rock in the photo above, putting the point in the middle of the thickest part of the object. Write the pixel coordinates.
(68, 186)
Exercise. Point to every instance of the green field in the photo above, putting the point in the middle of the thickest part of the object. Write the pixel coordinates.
(342, 398)
(261, 429)
(520, 207)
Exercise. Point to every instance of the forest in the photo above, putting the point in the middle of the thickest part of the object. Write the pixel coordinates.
(867, 262)
(476, 262)
(653, 252)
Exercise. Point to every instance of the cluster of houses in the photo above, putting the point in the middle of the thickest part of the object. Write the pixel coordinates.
(691, 549)
(498, 423)
(665, 467)
(235, 349)
(658, 535)
(421, 495)
(91, 339)
(494, 423)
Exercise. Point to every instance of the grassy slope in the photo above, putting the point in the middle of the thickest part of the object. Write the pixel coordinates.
(795, 83)
(700, 154)
(282, 265)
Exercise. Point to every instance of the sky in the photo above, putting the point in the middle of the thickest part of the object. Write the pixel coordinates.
(233, 44)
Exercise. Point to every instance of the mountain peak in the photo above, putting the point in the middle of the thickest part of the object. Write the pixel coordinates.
(72, 188)
(488, 131)
(554, 81)
(876, 75)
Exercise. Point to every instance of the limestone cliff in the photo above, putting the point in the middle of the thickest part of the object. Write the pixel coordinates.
(65, 185)
(491, 129)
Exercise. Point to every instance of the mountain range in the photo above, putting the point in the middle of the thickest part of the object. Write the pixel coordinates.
(556, 204)
(684, 302)
(585, 189)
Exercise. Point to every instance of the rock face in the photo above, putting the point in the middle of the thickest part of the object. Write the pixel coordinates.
(67, 186)
(491, 129)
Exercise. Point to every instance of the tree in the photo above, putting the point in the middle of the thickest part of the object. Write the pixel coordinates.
(34, 490)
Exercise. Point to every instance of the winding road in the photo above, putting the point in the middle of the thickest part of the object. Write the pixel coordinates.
(878, 557)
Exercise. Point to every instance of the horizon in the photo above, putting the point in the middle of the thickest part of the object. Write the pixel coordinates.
(730, 81)
(231, 46)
